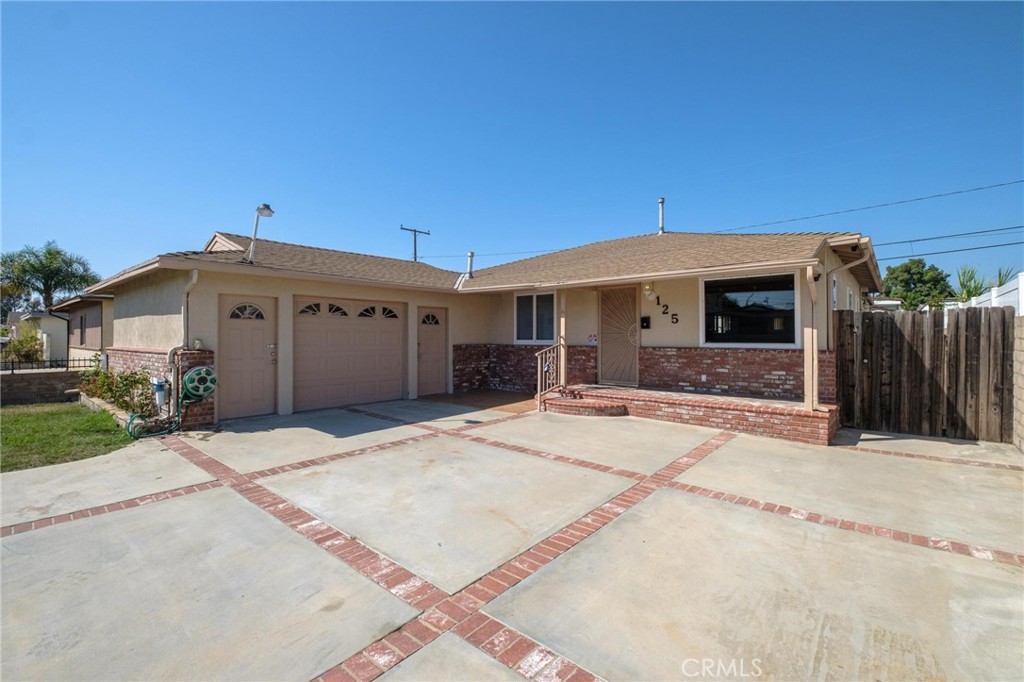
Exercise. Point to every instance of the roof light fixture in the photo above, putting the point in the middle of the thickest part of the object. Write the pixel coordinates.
(265, 211)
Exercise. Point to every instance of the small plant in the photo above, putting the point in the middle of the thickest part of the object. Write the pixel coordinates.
(1005, 275)
(969, 283)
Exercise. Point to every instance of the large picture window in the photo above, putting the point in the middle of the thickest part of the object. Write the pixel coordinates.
(535, 318)
(752, 310)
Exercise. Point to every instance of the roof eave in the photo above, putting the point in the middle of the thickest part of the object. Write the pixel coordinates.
(726, 270)
(86, 298)
(125, 275)
(255, 269)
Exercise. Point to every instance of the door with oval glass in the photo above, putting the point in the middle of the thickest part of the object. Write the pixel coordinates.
(247, 356)
(432, 351)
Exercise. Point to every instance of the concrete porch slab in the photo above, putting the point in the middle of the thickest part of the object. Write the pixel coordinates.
(205, 586)
(264, 442)
(975, 505)
(451, 659)
(448, 509)
(681, 578)
(632, 443)
(979, 451)
(439, 414)
(142, 468)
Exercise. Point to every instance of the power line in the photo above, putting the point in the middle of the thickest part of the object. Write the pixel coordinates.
(936, 253)
(950, 236)
(480, 255)
(868, 208)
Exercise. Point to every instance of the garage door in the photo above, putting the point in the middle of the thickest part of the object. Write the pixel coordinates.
(347, 352)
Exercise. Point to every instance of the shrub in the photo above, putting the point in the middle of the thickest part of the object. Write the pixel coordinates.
(27, 347)
(131, 391)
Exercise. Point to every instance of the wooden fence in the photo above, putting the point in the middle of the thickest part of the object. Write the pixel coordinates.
(941, 373)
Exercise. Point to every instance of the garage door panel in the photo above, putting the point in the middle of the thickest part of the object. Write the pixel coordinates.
(341, 360)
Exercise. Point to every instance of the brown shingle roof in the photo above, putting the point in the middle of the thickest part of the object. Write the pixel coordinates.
(314, 260)
(649, 255)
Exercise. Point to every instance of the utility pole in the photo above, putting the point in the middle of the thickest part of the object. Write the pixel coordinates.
(415, 234)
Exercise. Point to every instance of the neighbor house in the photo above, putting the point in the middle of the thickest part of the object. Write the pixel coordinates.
(90, 328)
(52, 330)
(303, 328)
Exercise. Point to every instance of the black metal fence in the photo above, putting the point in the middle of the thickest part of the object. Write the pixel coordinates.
(19, 366)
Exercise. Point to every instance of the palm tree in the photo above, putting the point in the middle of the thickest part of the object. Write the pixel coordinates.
(969, 284)
(50, 271)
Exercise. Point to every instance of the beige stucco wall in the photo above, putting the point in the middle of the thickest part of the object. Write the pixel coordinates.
(56, 331)
(107, 330)
(81, 353)
(580, 315)
(148, 313)
(468, 317)
(682, 296)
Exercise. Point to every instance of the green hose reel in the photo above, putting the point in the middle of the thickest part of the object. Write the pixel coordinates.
(199, 383)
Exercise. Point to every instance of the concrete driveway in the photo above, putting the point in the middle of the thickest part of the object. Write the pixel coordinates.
(419, 540)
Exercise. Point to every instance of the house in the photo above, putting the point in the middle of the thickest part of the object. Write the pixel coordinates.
(303, 328)
(52, 330)
(90, 328)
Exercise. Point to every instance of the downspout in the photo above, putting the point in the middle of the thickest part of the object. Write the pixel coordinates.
(184, 329)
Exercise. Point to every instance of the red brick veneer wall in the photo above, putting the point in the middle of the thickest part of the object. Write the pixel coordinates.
(507, 367)
(154, 362)
(766, 373)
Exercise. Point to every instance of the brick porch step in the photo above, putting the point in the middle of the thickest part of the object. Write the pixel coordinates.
(585, 407)
(787, 420)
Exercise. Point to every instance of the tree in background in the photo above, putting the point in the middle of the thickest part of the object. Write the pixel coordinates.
(12, 298)
(916, 284)
(969, 283)
(49, 271)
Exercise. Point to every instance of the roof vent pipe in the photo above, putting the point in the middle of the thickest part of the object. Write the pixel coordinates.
(469, 266)
(661, 215)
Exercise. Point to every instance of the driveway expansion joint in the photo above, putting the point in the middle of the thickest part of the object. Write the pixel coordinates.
(934, 458)
(940, 544)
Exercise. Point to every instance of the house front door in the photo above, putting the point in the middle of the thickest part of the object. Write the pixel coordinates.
(247, 356)
(619, 337)
(432, 351)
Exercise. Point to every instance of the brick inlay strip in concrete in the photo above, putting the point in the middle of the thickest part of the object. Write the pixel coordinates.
(139, 501)
(935, 458)
(401, 582)
(325, 459)
(586, 464)
(461, 611)
(940, 544)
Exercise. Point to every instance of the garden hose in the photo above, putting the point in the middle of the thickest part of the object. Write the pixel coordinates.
(172, 424)
(196, 384)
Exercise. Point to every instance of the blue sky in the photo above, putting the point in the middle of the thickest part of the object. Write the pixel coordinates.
(131, 129)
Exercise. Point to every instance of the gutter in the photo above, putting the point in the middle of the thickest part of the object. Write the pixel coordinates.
(656, 276)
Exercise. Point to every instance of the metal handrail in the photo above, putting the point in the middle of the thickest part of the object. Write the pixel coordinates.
(548, 371)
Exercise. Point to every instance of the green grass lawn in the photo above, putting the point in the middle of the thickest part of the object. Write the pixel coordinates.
(38, 435)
